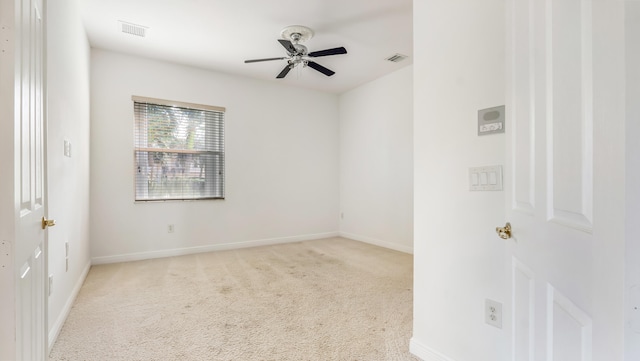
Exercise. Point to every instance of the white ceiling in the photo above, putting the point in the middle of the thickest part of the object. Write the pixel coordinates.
(220, 34)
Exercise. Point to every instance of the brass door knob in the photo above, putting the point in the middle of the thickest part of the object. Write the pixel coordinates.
(48, 222)
(504, 232)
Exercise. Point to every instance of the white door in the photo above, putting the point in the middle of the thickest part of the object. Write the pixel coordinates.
(31, 255)
(562, 59)
(23, 122)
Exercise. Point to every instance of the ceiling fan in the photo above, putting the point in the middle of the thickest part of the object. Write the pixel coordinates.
(297, 53)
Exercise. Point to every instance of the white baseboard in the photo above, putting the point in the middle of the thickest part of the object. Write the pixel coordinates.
(425, 352)
(211, 248)
(377, 242)
(54, 331)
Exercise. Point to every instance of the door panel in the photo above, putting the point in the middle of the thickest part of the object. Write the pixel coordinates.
(569, 329)
(31, 291)
(23, 247)
(30, 250)
(523, 312)
(549, 179)
(569, 100)
(523, 109)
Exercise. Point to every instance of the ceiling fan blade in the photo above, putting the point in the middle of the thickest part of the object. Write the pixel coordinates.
(265, 59)
(288, 45)
(285, 71)
(320, 68)
(326, 52)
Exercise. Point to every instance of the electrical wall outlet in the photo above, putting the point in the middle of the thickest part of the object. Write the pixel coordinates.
(66, 253)
(493, 313)
(50, 284)
(67, 148)
(634, 308)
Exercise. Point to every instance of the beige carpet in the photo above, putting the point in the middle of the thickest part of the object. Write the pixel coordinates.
(331, 299)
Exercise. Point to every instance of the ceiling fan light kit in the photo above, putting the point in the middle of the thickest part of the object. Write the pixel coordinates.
(298, 53)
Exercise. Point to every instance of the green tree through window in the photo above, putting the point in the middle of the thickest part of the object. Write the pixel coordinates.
(179, 150)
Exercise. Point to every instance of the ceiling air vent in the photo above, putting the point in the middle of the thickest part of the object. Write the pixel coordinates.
(133, 29)
(396, 58)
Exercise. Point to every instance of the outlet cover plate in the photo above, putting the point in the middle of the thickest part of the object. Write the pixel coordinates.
(493, 313)
(50, 284)
(67, 148)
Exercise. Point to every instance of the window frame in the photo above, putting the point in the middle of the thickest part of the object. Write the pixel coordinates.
(221, 181)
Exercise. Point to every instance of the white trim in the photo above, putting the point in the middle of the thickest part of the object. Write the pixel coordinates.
(210, 248)
(175, 103)
(54, 332)
(425, 352)
(377, 242)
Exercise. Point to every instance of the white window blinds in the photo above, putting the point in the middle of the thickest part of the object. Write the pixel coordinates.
(178, 150)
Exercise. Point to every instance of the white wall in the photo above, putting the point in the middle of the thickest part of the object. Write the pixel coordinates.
(458, 259)
(281, 162)
(376, 161)
(632, 251)
(68, 118)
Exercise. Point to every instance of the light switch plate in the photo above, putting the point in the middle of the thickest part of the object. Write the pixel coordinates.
(67, 148)
(488, 178)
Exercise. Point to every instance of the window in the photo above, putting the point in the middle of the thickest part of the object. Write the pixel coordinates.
(178, 150)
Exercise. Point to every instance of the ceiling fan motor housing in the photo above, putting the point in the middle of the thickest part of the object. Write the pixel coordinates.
(301, 49)
(291, 36)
